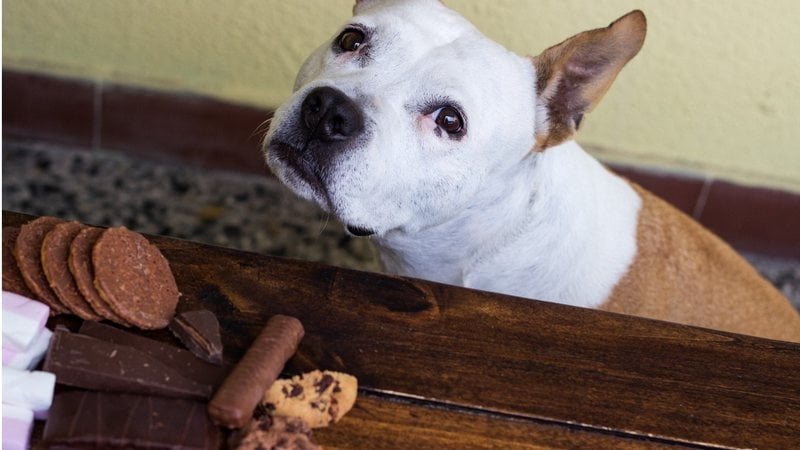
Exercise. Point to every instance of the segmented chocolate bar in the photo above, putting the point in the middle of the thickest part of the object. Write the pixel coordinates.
(89, 363)
(83, 419)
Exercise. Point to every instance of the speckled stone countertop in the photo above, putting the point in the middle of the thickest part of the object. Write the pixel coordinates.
(221, 208)
(228, 209)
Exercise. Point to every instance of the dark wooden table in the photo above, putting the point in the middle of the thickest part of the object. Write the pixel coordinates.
(447, 367)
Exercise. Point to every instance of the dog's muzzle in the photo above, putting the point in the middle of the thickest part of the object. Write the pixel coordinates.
(329, 123)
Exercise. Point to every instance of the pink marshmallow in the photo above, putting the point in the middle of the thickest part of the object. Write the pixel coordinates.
(9, 354)
(17, 426)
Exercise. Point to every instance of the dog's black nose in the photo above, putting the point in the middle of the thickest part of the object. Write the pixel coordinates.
(330, 115)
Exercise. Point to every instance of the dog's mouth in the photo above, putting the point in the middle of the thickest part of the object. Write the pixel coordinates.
(308, 171)
(302, 165)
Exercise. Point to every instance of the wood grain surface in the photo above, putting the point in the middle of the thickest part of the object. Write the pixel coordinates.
(516, 365)
(389, 423)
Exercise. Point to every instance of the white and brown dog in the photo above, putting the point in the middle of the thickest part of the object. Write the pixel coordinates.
(458, 157)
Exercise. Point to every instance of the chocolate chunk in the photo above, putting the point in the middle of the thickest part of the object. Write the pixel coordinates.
(324, 383)
(184, 362)
(199, 332)
(28, 251)
(12, 277)
(261, 410)
(82, 419)
(296, 391)
(134, 278)
(85, 362)
(55, 253)
(233, 403)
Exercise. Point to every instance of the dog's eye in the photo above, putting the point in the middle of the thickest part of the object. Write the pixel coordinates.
(450, 120)
(351, 39)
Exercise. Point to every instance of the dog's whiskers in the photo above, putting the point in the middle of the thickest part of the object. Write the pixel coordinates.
(324, 225)
(262, 128)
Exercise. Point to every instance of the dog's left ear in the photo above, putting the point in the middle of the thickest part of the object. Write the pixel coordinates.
(573, 76)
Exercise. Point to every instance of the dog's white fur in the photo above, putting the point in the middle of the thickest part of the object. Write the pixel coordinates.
(484, 211)
(439, 176)
(560, 228)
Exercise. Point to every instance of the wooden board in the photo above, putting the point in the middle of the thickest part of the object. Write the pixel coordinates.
(388, 423)
(456, 348)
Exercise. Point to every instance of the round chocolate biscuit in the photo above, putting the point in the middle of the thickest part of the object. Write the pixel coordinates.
(12, 277)
(28, 252)
(55, 256)
(134, 278)
(80, 264)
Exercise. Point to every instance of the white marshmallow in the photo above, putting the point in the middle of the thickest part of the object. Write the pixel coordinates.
(23, 319)
(30, 390)
(30, 357)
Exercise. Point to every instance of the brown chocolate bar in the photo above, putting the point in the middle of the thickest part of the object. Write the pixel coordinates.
(184, 362)
(199, 332)
(83, 419)
(85, 362)
(233, 403)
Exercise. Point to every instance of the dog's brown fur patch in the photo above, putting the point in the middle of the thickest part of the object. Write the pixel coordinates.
(683, 273)
(573, 76)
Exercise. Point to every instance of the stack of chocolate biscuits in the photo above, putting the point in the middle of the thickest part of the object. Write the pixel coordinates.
(94, 273)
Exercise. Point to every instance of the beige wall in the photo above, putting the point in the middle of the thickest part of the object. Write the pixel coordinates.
(715, 91)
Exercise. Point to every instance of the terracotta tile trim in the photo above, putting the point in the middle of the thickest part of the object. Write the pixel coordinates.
(186, 128)
(52, 109)
(749, 218)
(165, 126)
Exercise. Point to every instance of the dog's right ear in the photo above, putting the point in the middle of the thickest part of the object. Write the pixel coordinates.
(573, 76)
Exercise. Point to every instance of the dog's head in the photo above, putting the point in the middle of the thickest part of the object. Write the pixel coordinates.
(409, 112)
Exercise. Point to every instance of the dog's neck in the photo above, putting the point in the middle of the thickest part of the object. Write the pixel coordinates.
(561, 227)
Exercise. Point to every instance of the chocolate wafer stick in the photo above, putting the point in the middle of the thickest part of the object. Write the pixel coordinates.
(233, 403)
